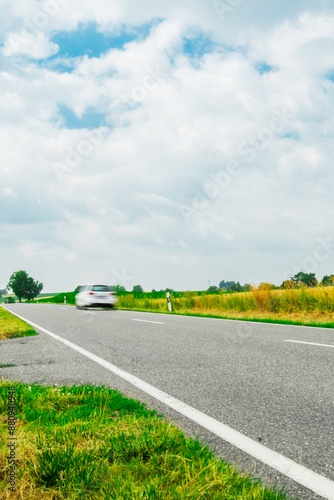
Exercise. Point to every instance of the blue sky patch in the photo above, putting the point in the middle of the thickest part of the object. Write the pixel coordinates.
(292, 135)
(87, 40)
(90, 120)
(263, 67)
(197, 46)
(330, 75)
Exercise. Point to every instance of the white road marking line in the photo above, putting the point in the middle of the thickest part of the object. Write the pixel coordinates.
(306, 477)
(309, 343)
(64, 308)
(146, 321)
(90, 312)
(239, 321)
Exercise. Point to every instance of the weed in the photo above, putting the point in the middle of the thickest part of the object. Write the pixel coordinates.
(13, 327)
(91, 442)
(304, 306)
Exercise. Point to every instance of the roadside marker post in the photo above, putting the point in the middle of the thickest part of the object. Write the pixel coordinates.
(65, 299)
(169, 302)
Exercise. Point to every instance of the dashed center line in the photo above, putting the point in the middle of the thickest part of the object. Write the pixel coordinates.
(309, 343)
(147, 321)
(317, 483)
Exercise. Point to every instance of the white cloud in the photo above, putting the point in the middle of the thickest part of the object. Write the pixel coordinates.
(34, 46)
(7, 191)
(117, 204)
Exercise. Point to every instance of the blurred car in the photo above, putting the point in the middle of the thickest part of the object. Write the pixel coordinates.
(95, 296)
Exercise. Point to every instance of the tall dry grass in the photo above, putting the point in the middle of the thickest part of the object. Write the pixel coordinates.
(260, 301)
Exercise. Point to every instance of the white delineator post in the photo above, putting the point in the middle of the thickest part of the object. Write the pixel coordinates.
(65, 299)
(169, 302)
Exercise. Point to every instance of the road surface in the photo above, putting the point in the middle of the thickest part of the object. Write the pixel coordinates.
(273, 384)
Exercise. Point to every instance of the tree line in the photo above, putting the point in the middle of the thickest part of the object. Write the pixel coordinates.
(25, 287)
(299, 280)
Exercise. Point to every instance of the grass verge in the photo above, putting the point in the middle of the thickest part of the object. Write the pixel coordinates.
(12, 327)
(91, 442)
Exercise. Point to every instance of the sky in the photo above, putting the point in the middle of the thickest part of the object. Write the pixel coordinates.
(167, 144)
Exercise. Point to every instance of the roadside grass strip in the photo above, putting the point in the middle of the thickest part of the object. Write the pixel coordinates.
(13, 327)
(301, 307)
(91, 442)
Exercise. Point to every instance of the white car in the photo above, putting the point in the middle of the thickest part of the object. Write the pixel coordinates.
(95, 296)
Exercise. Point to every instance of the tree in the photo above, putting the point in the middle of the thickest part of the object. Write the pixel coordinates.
(213, 289)
(137, 289)
(119, 288)
(226, 285)
(24, 286)
(3, 292)
(309, 280)
(328, 280)
(236, 287)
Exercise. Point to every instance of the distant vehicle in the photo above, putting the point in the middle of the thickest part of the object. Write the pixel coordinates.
(95, 296)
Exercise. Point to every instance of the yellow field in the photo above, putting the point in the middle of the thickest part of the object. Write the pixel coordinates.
(304, 305)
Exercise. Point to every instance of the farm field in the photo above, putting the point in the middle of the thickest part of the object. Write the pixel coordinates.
(304, 306)
(4, 298)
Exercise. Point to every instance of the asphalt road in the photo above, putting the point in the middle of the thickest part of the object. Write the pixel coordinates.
(248, 376)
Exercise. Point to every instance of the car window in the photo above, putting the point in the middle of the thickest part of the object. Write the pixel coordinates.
(82, 289)
(101, 288)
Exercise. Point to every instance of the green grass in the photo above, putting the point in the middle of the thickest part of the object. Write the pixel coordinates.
(12, 327)
(92, 443)
(3, 299)
(307, 307)
(59, 298)
(319, 300)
